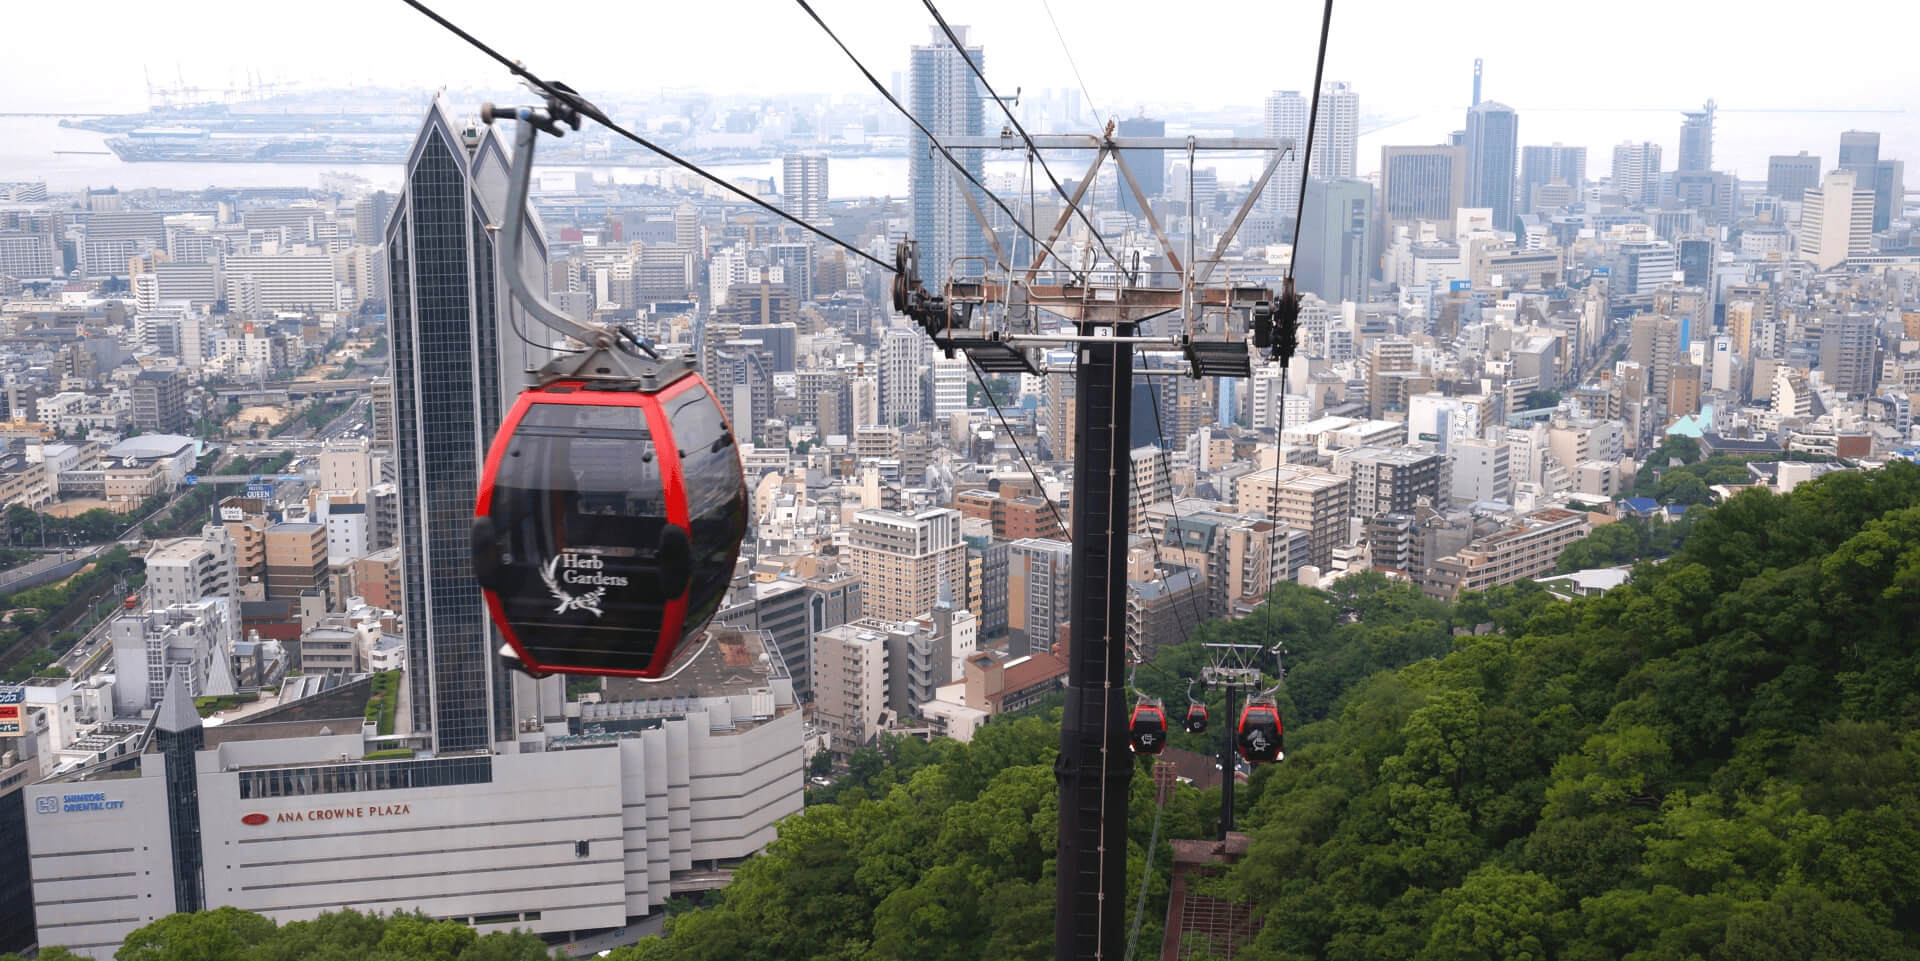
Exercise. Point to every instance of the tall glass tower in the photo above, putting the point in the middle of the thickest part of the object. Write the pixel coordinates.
(1493, 145)
(455, 373)
(179, 735)
(943, 95)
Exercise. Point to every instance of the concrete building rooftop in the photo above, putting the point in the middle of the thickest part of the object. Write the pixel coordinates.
(150, 446)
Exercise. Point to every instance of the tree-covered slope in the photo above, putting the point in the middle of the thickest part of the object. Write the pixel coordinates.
(1719, 760)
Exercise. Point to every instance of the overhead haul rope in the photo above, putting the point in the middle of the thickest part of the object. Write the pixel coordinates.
(1287, 330)
(937, 145)
(585, 108)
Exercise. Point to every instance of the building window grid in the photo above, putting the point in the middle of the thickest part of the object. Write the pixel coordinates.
(346, 778)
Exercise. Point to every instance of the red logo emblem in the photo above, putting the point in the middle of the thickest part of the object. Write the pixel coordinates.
(254, 819)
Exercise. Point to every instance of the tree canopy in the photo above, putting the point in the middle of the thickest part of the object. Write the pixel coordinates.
(1717, 760)
(1625, 542)
(230, 934)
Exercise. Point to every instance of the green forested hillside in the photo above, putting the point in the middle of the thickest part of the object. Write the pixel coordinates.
(1717, 761)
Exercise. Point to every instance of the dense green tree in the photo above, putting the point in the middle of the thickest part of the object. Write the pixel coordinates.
(346, 935)
(1495, 915)
(1624, 542)
(222, 934)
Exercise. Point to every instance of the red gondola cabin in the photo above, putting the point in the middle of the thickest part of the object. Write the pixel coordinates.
(608, 523)
(1259, 736)
(1147, 729)
(1196, 718)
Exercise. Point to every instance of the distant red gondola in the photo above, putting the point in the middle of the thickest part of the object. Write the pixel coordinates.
(1259, 736)
(1196, 718)
(1147, 729)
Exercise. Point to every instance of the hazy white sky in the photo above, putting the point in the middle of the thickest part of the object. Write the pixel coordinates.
(1401, 55)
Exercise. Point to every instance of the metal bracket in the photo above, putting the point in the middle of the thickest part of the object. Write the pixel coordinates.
(605, 356)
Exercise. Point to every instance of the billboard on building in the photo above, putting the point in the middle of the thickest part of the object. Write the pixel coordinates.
(13, 700)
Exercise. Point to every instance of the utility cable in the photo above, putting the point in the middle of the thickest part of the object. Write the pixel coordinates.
(1039, 487)
(1159, 428)
(937, 145)
(1173, 500)
(1286, 339)
(1313, 120)
(586, 109)
(1146, 877)
(961, 48)
(1070, 61)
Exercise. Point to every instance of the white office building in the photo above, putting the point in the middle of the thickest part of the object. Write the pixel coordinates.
(191, 641)
(654, 797)
(949, 387)
(304, 279)
(1286, 116)
(186, 569)
(1836, 220)
(1482, 470)
(346, 533)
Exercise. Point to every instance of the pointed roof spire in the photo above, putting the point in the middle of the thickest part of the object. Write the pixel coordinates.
(176, 712)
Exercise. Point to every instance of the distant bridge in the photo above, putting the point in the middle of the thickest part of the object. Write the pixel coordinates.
(285, 390)
(249, 478)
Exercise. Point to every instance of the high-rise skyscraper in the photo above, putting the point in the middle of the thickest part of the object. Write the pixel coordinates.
(1336, 144)
(178, 734)
(1037, 587)
(1693, 182)
(1558, 163)
(370, 217)
(1889, 192)
(1286, 117)
(803, 185)
(1696, 140)
(1788, 176)
(1848, 344)
(1836, 220)
(903, 358)
(903, 559)
(943, 96)
(1335, 256)
(1859, 150)
(1149, 167)
(1885, 179)
(1493, 145)
(1636, 172)
(1422, 183)
(456, 369)
(1336, 141)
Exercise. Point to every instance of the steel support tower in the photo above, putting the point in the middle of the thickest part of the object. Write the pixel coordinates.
(990, 317)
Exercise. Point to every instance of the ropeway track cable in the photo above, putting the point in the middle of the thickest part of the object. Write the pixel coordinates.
(944, 152)
(587, 109)
(1285, 340)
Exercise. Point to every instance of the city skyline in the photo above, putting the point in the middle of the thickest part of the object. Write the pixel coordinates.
(1106, 41)
(1503, 358)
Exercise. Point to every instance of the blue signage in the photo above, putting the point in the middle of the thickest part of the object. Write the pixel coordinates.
(1460, 285)
(1602, 271)
(193, 479)
(76, 803)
